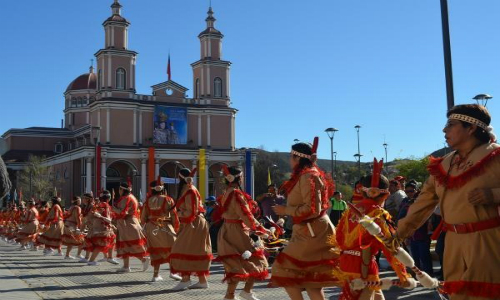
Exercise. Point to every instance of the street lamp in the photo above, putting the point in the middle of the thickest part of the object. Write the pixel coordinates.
(331, 134)
(273, 166)
(335, 164)
(482, 99)
(385, 147)
(358, 155)
(176, 176)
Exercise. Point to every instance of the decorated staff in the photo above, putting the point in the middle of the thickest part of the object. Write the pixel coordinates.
(360, 236)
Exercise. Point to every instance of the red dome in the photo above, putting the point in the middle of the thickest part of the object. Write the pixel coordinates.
(86, 81)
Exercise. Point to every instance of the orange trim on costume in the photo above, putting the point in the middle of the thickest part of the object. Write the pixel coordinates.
(259, 276)
(436, 169)
(181, 256)
(305, 264)
(471, 288)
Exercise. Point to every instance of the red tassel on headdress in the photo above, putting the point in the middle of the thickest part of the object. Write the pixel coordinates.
(158, 180)
(193, 172)
(225, 169)
(377, 170)
(129, 182)
(315, 145)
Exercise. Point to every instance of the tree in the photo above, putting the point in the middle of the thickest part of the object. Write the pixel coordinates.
(273, 162)
(35, 179)
(414, 169)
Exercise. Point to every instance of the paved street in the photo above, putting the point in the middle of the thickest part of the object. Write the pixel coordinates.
(29, 275)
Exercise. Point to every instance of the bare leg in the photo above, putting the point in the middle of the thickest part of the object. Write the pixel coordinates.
(126, 262)
(185, 278)
(156, 270)
(94, 255)
(249, 285)
(68, 250)
(80, 249)
(202, 279)
(110, 253)
(316, 294)
(231, 289)
(294, 293)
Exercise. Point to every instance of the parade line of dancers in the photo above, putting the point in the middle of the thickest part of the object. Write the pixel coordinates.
(465, 185)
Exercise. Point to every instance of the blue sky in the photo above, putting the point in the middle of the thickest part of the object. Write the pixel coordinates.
(298, 66)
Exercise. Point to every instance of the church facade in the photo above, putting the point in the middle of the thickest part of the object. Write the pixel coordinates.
(112, 134)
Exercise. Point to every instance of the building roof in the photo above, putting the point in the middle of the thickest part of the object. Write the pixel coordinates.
(12, 156)
(87, 81)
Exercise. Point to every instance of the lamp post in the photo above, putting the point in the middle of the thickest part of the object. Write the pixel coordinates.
(331, 134)
(358, 155)
(447, 54)
(482, 99)
(335, 164)
(385, 148)
(273, 166)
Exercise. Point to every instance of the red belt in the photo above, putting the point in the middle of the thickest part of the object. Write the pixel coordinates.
(472, 227)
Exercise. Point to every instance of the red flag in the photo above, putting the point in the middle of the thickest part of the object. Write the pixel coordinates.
(168, 68)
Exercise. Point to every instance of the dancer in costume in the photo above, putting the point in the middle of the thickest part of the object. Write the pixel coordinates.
(309, 260)
(52, 237)
(359, 247)
(130, 241)
(101, 237)
(160, 225)
(72, 237)
(243, 259)
(466, 186)
(30, 228)
(192, 250)
(88, 204)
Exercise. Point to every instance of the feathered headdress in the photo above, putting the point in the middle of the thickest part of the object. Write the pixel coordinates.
(313, 157)
(372, 192)
(189, 179)
(229, 177)
(159, 185)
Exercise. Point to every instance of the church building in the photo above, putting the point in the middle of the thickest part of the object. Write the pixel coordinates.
(111, 134)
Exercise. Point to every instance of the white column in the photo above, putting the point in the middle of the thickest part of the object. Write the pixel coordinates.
(108, 127)
(157, 168)
(208, 131)
(143, 179)
(88, 175)
(228, 83)
(199, 130)
(209, 82)
(112, 36)
(140, 127)
(207, 166)
(134, 124)
(202, 80)
(233, 142)
(243, 182)
(103, 173)
(109, 71)
(195, 165)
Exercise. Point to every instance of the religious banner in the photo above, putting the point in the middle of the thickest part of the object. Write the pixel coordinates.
(170, 125)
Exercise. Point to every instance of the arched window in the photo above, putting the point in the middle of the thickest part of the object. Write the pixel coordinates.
(120, 79)
(73, 102)
(79, 103)
(217, 87)
(197, 88)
